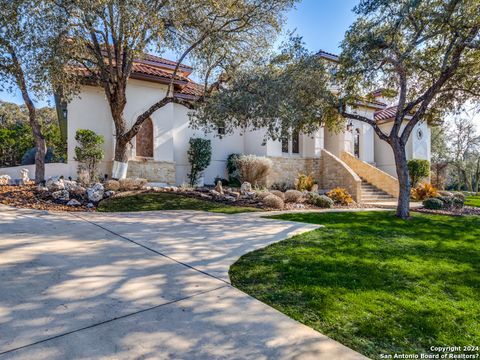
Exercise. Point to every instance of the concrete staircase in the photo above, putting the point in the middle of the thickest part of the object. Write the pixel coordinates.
(372, 194)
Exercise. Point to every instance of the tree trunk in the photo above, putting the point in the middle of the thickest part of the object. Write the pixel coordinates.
(403, 206)
(40, 142)
(121, 149)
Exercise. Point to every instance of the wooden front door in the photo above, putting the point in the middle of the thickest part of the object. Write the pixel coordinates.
(144, 140)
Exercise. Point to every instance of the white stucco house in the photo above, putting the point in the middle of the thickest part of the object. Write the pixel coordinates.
(159, 153)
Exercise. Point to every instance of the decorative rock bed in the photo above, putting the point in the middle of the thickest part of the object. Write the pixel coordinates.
(68, 195)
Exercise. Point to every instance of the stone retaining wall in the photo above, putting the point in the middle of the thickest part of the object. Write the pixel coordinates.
(336, 173)
(286, 169)
(154, 171)
(373, 175)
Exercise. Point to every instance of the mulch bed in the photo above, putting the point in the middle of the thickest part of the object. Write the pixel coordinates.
(28, 197)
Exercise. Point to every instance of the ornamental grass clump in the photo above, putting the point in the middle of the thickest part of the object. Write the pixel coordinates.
(253, 169)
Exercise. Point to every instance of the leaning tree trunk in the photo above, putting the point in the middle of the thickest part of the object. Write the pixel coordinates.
(40, 142)
(403, 206)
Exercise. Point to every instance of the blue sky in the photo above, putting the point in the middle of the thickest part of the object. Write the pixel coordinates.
(321, 23)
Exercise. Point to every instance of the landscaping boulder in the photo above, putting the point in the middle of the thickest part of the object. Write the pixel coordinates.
(246, 188)
(108, 193)
(96, 192)
(73, 202)
(55, 183)
(4, 179)
(24, 176)
(90, 206)
(62, 195)
(219, 187)
(74, 187)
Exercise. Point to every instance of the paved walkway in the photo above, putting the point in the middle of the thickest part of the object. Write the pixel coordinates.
(144, 285)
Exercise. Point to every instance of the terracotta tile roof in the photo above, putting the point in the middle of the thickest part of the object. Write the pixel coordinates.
(385, 114)
(162, 61)
(157, 69)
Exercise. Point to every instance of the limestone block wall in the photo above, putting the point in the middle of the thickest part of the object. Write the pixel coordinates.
(336, 173)
(155, 171)
(286, 169)
(373, 175)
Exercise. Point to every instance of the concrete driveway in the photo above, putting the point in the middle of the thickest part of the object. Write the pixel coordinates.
(141, 286)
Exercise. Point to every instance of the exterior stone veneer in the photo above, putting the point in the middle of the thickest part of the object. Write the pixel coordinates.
(155, 171)
(335, 173)
(286, 169)
(373, 175)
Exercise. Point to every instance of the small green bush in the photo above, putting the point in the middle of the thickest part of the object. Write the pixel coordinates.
(199, 157)
(447, 201)
(232, 170)
(418, 169)
(281, 186)
(433, 204)
(320, 201)
(459, 195)
(89, 153)
(225, 182)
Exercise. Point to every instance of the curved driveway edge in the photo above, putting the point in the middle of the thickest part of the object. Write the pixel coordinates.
(141, 285)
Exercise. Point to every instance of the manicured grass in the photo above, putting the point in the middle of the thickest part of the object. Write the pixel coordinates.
(167, 201)
(473, 201)
(375, 283)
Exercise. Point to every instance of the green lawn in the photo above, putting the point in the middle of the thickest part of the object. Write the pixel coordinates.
(373, 282)
(473, 201)
(167, 201)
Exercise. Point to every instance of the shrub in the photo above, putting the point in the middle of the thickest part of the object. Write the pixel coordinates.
(422, 192)
(459, 195)
(304, 182)
(199, 157)
(112, 185)
(273, 201)
(89, 153)
(320, 201)
(262, 194)
(232, 170)
(253, 169)
(281, 186)
(224, 182)
(418, 169)
(278, 193)
(447, 201)
(293, 196)
(29, 157)
(433, 204)
(340, 196)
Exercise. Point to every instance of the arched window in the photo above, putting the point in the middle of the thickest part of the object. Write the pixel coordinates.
(356, 143)
(144, 140)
